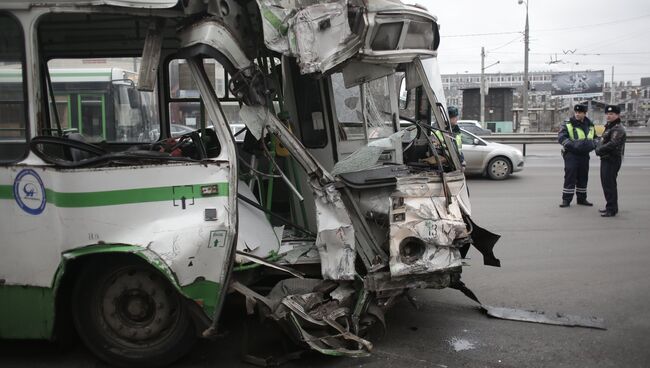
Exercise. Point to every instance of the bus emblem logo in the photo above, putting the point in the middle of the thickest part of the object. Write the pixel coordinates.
(29, 192)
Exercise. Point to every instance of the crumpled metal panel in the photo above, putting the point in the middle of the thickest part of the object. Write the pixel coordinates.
(316, 312)
(335, 239)
(317, 33)
(419, 213)
(256, 235)
(214, 34)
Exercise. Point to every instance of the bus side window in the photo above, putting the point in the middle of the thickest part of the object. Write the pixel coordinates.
(186, 110)
(309, 106)
(13, 116)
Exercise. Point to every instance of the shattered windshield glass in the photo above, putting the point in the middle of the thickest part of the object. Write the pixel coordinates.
(351, 113)
(378, 109)
(347, 102)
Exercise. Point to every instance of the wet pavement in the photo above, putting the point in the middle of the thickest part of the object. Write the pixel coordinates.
(558, 260)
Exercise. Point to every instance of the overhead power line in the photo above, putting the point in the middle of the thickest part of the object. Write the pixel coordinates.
(577, 53)
(548, 29)
(480, 34)
(592, 25)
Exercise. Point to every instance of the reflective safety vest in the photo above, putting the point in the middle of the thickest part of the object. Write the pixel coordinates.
(581, 133)
(459, 139)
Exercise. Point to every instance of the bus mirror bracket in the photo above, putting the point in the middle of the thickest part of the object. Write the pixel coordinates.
(151, 56)
(134, 98)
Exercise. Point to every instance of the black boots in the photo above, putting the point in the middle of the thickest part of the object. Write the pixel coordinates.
(604, 212)
(582, 202)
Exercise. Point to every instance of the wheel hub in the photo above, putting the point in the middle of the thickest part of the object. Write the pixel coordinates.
(138, 306)
(499, 168)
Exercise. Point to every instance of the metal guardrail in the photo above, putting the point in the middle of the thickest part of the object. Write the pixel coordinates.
(546, 138)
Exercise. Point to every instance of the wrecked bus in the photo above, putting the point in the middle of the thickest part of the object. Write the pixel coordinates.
(339, 193)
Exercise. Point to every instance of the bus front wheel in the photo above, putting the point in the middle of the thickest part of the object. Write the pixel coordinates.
(128, 314)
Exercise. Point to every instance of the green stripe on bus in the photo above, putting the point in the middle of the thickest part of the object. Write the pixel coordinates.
(206, 293)
(126, 196)
(26, 312)
(6, 192)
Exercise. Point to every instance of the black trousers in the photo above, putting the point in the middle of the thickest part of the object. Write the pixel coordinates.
(609, 168)
(576, 174)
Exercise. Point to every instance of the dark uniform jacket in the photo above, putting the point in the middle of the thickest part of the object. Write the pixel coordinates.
(576, 147)
(456, 130)
(612, 144)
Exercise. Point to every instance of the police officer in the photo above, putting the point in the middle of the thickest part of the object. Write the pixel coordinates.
(611, 149)
(577, 139)
(455, 129)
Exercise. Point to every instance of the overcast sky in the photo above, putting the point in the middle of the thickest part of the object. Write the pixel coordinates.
(565, 35)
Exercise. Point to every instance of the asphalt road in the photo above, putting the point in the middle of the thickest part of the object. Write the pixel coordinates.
(557, 260)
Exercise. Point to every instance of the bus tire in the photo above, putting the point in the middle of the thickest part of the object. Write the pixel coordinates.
(129, 315)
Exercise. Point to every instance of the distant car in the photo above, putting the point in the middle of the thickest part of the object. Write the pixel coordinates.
(473, 126)
(495, 160)
(178, 130)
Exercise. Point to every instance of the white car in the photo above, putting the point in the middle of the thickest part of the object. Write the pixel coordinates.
(473, 126)
(495, 160)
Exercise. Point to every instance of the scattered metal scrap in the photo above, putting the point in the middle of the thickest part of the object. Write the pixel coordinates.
(318, 312)
(559, 319)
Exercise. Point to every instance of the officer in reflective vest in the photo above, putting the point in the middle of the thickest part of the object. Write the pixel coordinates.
(577, 139)
(453, 119)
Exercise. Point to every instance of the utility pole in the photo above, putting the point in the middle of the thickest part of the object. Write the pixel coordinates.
(482, 88)
(483, 84)
(525, 123)
(612, 90)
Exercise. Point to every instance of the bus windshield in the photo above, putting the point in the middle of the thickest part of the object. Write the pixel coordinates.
(98, 98)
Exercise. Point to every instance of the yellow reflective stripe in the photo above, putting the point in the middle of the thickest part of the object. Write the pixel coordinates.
(458, 137)
(581, 133)
(439, 136)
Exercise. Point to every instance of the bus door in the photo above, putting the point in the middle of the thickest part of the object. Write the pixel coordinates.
(91, 114)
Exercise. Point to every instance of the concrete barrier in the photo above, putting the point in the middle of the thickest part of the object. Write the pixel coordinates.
(547, 138)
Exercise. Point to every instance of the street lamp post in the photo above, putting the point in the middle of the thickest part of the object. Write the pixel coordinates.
(482, 87)
(525, 123)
